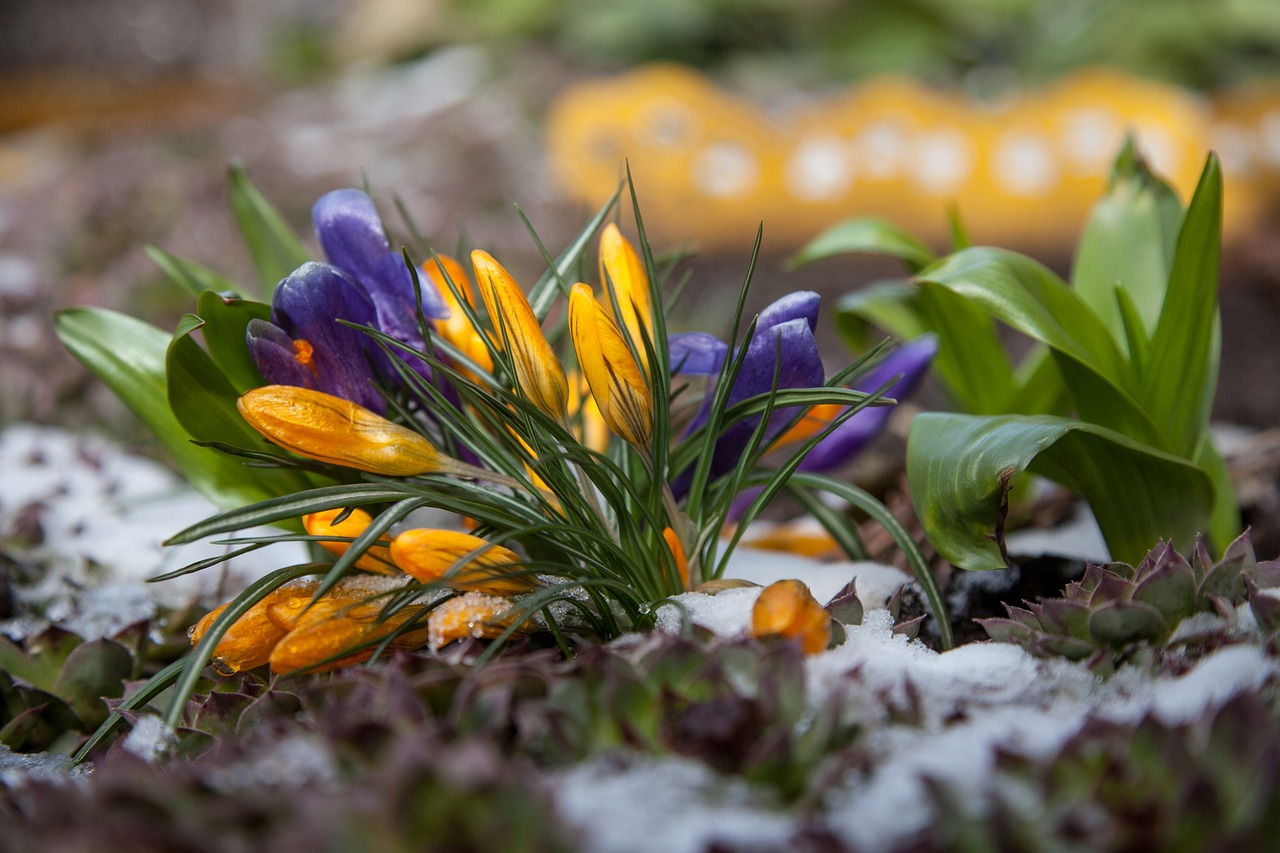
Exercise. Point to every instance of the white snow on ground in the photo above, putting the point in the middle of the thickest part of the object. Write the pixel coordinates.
(103, 514)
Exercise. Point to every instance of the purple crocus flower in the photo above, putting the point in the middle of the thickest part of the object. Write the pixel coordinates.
(784, 331)
(351, 234)
(304, 345)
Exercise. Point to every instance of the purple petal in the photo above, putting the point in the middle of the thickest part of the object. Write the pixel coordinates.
(696, 353)
(351, 234)
(800, 305)
(911, 360)
(307, 305)
(790, 348)
(272, 351)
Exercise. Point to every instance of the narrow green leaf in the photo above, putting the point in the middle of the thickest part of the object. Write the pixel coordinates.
(289, 506)
(544, 292)
(272, 245)
(865, 235)
(961, 466)
(192, 277)
(225, 320)
(1177, 387)
(129, 356)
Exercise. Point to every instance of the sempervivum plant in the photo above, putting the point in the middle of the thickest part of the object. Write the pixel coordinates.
(1117, 607)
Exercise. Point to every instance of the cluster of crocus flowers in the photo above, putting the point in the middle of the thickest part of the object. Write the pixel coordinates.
(292, 629)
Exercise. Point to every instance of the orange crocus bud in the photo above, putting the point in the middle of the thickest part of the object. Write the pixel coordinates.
(621, 266)
(539, 375)
(376, 559)
(330, 429)
(457, 328)
(322, 636)
(677, 551)
(473, 614)
(788, 609)
(437, 555)
(251, 638)
(616, 380)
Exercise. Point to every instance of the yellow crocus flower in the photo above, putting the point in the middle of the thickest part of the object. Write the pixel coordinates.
(617, 382)
(457, 328)
(788, 609)
(471, 615)
(621, 266)
(330, 429)
(431, 555)
(376, 559)
(332, 626)
(539, 375)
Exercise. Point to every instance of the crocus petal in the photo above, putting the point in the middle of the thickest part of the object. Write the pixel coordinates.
(622, 267)
(456, 328)
(332, 627)
(433, 555)
(790, 348)
(473, 614)
(787, 608)
(306, 305)
(332, 429)
(249, 641)
(911, 360)
(539, 375)
(800, 305)
(376, 559)
(276, 356)
(696, 353)
(346, 222)
(617, 382)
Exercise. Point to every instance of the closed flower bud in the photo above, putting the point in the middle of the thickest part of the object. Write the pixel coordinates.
(539, 376)
(788, 609)
(248, 642)
(376, 559)
(620, 265)
(435, 555)
(324, 634)
(677, 553)
(331, 429)
(457, 328)
(616, 380)
(471, 615)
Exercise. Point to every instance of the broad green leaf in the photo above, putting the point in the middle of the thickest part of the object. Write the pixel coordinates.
(192, 277)
(1225, 523)
(892, 306)
(971, 359)
(1028, 297)
(1178, 385)
(971, 362)
(1128, 241)
(1037, 386)
(225, 319)
(866, 235)
(273, 247)
(129, 356)
(960, 467)
(204, 403)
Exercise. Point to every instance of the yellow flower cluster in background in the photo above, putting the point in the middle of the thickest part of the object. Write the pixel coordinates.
(1024, 170)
